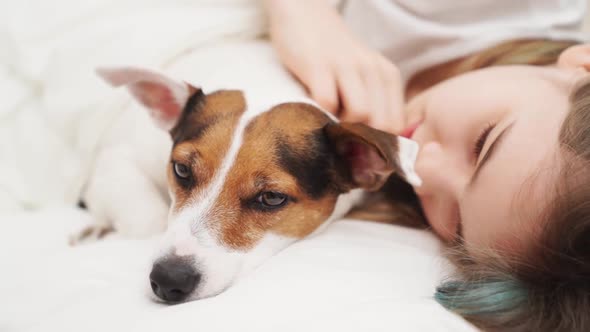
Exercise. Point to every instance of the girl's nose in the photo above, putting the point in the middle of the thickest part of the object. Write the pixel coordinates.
(441, 173)
(443, 181)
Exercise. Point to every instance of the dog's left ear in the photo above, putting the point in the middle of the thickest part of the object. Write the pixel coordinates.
(164, 97)
(370, 155)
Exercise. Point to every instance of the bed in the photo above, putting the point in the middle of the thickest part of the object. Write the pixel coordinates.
(354, 276)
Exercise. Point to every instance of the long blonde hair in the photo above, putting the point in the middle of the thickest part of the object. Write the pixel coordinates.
(538, 52)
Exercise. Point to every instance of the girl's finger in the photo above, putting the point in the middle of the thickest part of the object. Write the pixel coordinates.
(377, 96)
(393, 117)
(323, 89)
(353, 95)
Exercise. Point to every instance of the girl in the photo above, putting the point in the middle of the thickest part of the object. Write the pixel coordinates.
(497, 93)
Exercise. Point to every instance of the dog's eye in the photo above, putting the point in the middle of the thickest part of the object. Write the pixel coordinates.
(271, 200)
(182, 171)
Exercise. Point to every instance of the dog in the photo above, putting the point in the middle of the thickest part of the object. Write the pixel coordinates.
(249, 175)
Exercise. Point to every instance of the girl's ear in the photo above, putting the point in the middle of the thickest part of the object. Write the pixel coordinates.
(575, 57)
(164, 97)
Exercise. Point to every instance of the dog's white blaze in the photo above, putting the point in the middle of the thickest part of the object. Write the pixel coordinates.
(209, 196)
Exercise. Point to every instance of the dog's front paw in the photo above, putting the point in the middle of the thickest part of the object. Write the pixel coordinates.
(89, 234)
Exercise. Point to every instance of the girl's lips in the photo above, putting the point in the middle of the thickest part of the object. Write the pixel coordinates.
(409, 131)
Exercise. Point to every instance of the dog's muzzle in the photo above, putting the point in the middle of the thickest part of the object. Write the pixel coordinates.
(174, 278)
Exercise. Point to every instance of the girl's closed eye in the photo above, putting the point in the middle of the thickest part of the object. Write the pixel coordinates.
(481, 140)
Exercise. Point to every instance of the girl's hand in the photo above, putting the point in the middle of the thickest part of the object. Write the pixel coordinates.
(341, 74)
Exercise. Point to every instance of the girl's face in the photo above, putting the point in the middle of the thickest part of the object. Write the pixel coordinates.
(489, 149)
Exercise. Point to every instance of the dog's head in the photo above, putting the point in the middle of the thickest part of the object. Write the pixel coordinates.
(246, 179)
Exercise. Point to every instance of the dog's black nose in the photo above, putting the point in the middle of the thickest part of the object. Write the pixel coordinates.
(174, 279)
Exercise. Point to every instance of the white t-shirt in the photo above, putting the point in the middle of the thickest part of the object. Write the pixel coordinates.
(417, 34)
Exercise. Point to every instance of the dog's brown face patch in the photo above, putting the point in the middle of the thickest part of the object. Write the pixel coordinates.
(284, 151)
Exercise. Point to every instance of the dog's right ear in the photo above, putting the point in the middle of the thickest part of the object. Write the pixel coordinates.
(369, 156)
(164, 97)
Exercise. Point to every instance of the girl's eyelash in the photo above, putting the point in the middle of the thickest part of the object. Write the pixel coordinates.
(481, 140)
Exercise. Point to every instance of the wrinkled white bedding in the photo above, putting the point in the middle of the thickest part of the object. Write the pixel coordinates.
(356, 276)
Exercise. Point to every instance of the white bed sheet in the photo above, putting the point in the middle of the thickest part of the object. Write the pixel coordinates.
(355, 276)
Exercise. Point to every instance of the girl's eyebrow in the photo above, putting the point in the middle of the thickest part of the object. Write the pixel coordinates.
(490, 152)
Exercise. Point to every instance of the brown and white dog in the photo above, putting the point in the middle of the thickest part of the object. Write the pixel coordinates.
(247, 177)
